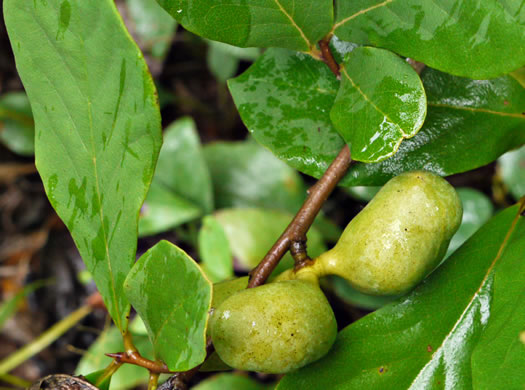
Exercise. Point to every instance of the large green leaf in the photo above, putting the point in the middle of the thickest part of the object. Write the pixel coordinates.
(173, 297)
(246, 175)
(285, 99)
(380, 103)
(97, 127)
(17, 128)
(251, 233)
(476, 38)
(260, 23)
(470, 123)
(426, 340)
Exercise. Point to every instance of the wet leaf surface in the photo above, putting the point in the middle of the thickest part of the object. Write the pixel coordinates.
(172, 296)
(469, 123)
(380, 103)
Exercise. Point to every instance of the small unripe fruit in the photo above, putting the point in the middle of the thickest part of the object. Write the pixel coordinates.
(398, 238)
(274, 328)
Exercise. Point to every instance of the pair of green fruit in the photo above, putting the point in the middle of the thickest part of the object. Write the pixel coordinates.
(387, 249)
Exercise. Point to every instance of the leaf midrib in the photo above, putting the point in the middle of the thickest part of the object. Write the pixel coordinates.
(369, 100)
(292, 21)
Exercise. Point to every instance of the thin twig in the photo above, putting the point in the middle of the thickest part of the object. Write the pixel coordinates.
(296, 230)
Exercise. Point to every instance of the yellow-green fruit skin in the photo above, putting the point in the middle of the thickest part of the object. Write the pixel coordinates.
(274, 328)
(399, 237)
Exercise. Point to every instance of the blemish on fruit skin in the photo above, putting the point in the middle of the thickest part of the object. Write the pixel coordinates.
(429, 348)
(382, 370)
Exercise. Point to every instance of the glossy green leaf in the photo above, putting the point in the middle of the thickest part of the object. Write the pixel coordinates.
(427, 339)
(252, 232)
(259, 23)
(284, 100)
(512, 170)
(470, 123)
(153, 25)
(181, 166)
(477, 210)
(128, 376)
(477, 38)
(499, 356)
(380, 103)
(17, 128)
(214, 250)
(229, 381)
(97, 127)
(164, 210)
(246, 175)
(172, 296)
